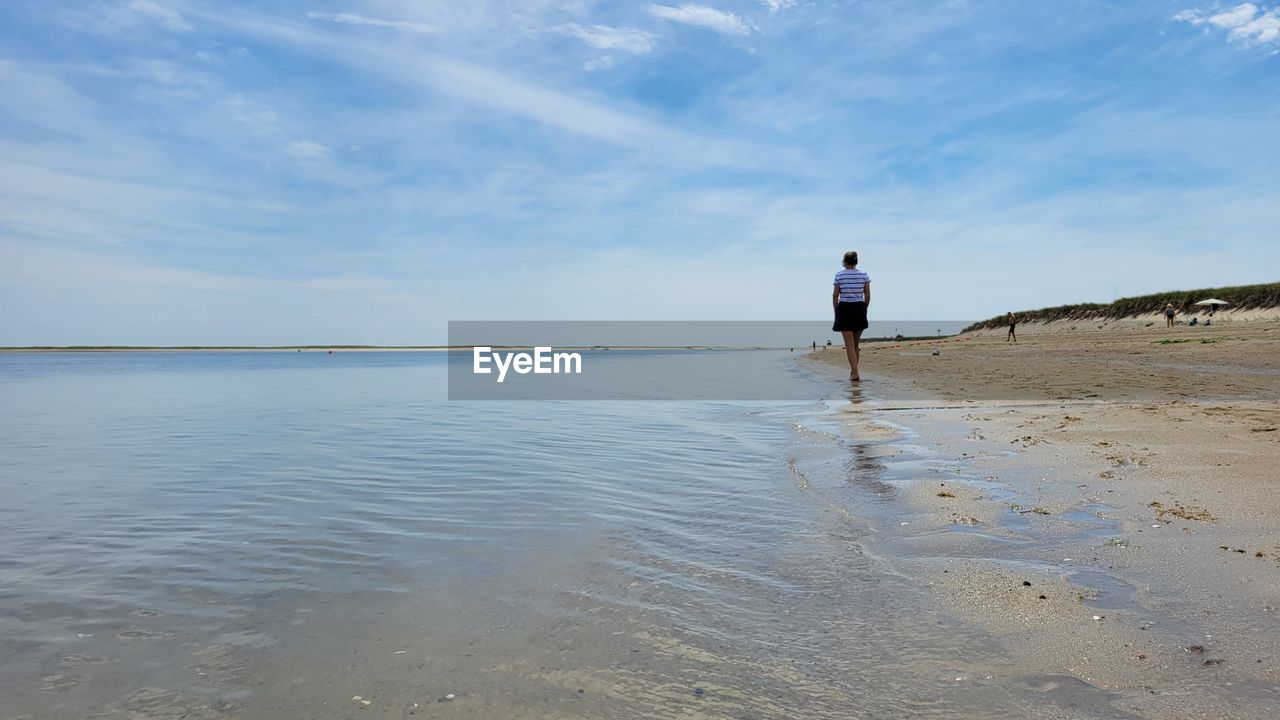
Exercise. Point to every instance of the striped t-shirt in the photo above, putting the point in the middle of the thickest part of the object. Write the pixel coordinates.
(852, 282)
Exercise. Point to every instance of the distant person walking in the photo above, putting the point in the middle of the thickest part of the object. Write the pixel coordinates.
(1013, 326)
(1169, 312)
(850, 296)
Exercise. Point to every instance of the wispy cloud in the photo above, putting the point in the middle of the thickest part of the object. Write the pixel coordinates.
(354, 19)
(308, 150)
(462, 80)
(776, 5)
(1245, 23)
(603, 37)
(127, 15)
(621, 124)
(166, 16)
(497, 91)
(725, 23)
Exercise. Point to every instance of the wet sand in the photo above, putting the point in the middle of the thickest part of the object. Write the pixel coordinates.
(1111, 507)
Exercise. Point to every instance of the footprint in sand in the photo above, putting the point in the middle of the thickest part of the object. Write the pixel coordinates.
(158, 704)
(58, 681)
(1127, 460)
(141, 635)
(81, 659)
(217, 663)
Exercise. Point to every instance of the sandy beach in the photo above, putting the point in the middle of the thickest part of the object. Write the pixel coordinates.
(1110, 506)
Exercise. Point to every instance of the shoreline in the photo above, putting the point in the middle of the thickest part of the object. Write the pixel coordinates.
(1114, 530)
(396, 348)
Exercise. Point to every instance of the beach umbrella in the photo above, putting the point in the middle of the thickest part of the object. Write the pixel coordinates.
(1213, 301)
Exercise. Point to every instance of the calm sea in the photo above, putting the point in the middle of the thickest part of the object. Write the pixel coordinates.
(289, 535)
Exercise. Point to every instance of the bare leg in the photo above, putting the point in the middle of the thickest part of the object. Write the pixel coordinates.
(857, 352)
(851, 351)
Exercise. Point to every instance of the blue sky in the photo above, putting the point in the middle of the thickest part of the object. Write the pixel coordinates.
(191, 171)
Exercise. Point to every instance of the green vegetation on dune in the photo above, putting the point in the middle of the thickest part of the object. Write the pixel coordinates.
(1241, 297)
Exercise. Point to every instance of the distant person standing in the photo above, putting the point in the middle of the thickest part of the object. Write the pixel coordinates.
(1013, 326)
(850, 296)
(1169, 312)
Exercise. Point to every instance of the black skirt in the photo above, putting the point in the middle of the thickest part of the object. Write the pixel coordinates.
(851, 316)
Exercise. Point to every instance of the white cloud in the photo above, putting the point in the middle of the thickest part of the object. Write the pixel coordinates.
(126, 15)
(603, 37)
(1264, 28)
(1235, 17)
(307, 150)
(1246, 22)
(168, 73)
(776, 5)
(484, 90)
(165, 16)
(495, 90)
(603, 63)
(473, 84)
(722, 22)
(354, 19)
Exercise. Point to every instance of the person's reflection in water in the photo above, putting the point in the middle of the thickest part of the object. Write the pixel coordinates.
(854, 394)
(865, 469)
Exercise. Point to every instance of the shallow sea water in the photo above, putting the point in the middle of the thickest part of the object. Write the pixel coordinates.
(270, 535)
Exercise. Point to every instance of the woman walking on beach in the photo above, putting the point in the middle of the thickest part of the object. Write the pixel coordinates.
(1013, 325)
(1169, 312)
(850, 296)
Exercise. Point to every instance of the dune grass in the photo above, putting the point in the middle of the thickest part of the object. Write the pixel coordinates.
(1241, 297)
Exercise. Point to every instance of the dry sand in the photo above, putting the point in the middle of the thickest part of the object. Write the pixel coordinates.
(1111, 509)
(1089, 361)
